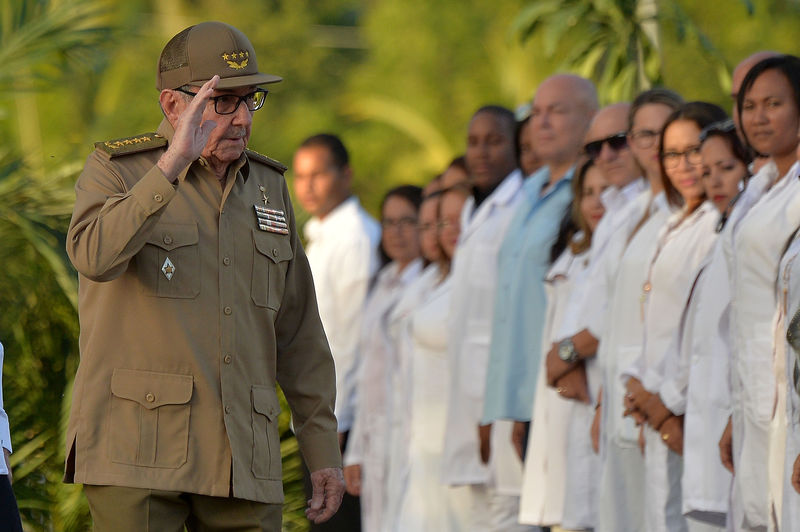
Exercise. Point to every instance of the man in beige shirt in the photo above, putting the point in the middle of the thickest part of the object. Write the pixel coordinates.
(196, 298)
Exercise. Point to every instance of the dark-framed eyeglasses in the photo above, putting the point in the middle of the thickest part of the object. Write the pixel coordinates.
(644, 138)
(404, 223)
(672, 159)
(616, 142)
(227, 104)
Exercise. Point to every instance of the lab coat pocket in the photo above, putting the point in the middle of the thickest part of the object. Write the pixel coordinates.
(266, 462)
(169, 263)
(271, 257)
(149, 418)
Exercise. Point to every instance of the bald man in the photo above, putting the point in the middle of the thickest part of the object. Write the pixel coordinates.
(561, 113)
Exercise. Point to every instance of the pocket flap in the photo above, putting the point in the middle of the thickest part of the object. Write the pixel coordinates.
(151, 389)
(265, 401)
(172, 236)
(275, 247)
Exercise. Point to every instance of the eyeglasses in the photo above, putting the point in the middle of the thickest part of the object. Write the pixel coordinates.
(644, 138)
(616, 142)
(227, 104)
(422, 228)
(448, 223)
(672, 159)
(404, 223)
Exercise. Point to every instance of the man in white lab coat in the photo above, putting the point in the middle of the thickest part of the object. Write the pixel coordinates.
(342, 250)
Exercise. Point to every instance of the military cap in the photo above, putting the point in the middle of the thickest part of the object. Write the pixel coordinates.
(197, 53)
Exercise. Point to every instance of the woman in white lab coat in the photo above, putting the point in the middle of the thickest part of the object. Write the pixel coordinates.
(544, 488)
(621, 486)
(769, 109)
(365, 460)
(787, 343)
(682, 244)
(701, 383)
(426, 504)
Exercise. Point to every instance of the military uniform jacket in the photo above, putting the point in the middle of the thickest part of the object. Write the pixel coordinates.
(192, 305)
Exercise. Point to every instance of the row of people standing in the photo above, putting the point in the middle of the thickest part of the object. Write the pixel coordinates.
(599, 321)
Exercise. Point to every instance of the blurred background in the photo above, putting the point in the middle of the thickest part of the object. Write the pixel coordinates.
(397, 79)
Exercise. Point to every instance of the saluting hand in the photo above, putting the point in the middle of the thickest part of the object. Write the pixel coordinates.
(191, 132)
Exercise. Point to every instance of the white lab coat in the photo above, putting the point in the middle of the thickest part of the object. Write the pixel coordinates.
(683, 244)
(789, 417)
(706, 484)
(588, 306)
(427, 504)
(400, 388)
(367, 444)
(544, 479)
(753, 255)
(621, 491)
(474, 278)
(342, 251)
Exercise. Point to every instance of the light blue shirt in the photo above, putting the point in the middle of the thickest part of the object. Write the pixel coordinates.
(520, 302)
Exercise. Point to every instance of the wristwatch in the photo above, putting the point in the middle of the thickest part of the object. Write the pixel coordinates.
(567, 352)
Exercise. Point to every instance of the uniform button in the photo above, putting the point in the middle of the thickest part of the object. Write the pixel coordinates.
(274, 252)
(226, 261)
(168, 240)
(150, 397)
(227, 409)
(227, 359)
(158, 197)
(227, 311)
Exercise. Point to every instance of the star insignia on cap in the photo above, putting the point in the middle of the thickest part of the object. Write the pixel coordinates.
(230, 59)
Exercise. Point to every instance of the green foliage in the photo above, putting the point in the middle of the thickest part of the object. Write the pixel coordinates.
(397, 79)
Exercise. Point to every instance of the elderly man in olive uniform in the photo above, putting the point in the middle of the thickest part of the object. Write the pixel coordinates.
(195, 299)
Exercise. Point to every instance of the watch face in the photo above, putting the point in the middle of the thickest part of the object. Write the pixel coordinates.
(564, 352)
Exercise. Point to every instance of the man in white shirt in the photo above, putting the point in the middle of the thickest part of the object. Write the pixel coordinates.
(491, 161)
(342, 250)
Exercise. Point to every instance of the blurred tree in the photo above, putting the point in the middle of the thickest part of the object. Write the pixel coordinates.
(615, 43)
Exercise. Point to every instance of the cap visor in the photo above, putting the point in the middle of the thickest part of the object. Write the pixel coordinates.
(242, 81)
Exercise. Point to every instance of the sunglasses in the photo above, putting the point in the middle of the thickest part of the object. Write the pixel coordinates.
(616, 142)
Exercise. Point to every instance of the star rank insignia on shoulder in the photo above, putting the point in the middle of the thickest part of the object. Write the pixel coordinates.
(269, 161)
(129, 145)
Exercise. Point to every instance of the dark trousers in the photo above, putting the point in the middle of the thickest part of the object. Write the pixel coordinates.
(348, 518)
(9, 513)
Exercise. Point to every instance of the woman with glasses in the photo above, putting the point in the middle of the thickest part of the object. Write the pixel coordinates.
(696, 382)
(365, 459)
(769, 111)
(559, 459)
(621, 486)
(423, 502)
(682, 244)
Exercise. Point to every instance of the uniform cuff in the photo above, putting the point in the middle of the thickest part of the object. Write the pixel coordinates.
(320, 450)
(673, 398)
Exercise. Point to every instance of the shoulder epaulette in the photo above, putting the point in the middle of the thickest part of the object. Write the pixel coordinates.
(269, 161)
(136, 144)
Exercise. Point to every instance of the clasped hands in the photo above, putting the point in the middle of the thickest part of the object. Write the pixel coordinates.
(646, 407)
(569, 379)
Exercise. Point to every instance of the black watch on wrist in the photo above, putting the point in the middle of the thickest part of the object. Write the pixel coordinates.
(566, 351)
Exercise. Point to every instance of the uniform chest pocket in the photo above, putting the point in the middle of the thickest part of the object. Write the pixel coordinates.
(271, 256)
(169, 263)
(149, 418)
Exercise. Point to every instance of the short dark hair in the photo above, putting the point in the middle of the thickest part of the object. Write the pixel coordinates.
(333, 144)
(788, 65)
(506, 116)
(658, 95)
(411, 193)
(726, 130)
(702, 114)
